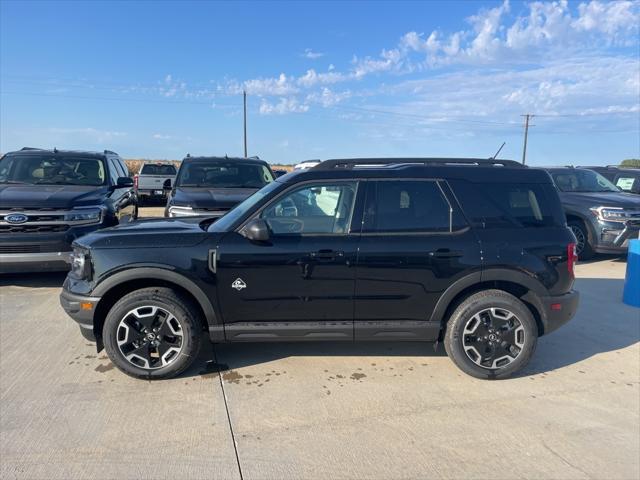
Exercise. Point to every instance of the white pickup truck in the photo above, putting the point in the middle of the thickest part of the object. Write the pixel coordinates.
(150, 180)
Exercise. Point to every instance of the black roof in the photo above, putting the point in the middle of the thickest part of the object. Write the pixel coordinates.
(255, 160)
(472, 169)
(55, 151)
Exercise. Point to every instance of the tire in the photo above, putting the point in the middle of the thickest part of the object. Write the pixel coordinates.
(152, 333)
(584, 249)
(480, 355)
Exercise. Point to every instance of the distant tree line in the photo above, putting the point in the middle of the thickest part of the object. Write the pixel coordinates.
(631, 162)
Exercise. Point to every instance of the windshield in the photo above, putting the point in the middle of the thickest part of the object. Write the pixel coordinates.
(225, 223)
(224, 175)
(158, 170)
(52, 170)
(582, 181)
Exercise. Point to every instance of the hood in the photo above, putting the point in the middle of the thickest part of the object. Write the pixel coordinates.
(160, 232)
(197, 197)
(601, 199)
(51, 196)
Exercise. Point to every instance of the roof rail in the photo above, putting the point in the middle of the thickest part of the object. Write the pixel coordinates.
(381, 162)
(110, 151)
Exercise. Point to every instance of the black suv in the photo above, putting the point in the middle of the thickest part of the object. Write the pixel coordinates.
(475, 253)
(602, 217)
(48, 198)
(211, 186)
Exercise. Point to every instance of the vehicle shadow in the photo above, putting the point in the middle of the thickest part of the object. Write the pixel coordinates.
(604, 257)
(33, 280)
(602, 324)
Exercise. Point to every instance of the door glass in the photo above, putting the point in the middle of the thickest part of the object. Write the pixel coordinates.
(316, 209)
(625, 183)
(407, 206)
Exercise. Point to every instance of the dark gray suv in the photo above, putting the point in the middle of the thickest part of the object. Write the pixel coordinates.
(602, 217)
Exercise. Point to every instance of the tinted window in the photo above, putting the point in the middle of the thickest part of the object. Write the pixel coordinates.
(581, 180)
(52, 170)
(149, 169)
(113, 171)
(509, 204)
(230, 174)
(321, 208)
(628, 183)
(406, 206)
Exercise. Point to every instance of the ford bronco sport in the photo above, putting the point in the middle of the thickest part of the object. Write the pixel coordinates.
(474, 253)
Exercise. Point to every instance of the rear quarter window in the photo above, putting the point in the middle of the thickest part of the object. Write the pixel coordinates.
(495, 205)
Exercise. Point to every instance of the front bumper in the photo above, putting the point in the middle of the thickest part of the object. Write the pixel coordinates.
(80, 308)
(613, 237)
(558, 310)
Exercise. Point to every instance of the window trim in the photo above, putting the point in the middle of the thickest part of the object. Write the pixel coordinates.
(258, 212)
(438, 181)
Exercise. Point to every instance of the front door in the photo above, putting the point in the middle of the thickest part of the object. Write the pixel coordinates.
(300, 283)
(414, 244)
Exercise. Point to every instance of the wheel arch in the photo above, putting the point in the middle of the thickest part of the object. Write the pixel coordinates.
(114, 287)
(577, 217)
(518, 284)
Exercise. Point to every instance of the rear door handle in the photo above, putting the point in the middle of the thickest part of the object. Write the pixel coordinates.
(446, 253)
(326, 255)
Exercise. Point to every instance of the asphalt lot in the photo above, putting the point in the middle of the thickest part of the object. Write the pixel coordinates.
(384, 410)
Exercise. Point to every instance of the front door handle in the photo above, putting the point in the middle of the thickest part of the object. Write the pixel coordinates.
(326, 255)
(446, 253)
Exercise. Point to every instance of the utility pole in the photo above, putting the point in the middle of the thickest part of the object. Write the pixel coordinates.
(244, 97)
(526, 134)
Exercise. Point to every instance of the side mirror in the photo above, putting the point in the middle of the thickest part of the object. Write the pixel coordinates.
(124, 182)
(167, 184)
(257, 230)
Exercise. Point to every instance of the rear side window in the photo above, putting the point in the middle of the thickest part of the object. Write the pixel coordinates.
(628, 183)
(509, 204)
(411, 206)
(150, 169)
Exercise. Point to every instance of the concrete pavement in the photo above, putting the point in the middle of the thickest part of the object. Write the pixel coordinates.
(382, 410)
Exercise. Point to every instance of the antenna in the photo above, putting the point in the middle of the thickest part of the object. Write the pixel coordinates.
(496, 154)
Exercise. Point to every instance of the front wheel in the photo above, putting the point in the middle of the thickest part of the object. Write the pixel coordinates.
(491, 335)
(152, 333)
(584, 250)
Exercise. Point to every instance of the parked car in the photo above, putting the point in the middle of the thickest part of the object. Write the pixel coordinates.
(476, 255)
(48, 198)
(211, 186)
(602, 217)
(306, 164)
(149, 182)
(279, 173)
(626, 179)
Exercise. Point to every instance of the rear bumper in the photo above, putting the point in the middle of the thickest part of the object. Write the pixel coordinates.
(559, 309)
(77, 307)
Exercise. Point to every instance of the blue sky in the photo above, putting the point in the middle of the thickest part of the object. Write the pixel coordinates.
(324, 79)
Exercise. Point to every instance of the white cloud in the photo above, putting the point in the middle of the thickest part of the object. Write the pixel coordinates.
(160, 136)
(310, 54)
(283, 106)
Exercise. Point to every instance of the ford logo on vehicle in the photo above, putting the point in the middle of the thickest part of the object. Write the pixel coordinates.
(15, 218)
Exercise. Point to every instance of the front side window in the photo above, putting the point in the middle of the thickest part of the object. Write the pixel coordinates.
(411, 206)
(579, 180)
(52, 170)
(221, 174)
(316, 209)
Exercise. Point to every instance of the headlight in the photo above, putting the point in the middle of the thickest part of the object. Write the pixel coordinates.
(80, 264)
(175, 211)
(86, 215)
(610, 214)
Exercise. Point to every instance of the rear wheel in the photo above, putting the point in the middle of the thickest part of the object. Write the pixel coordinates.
(584, 250)
(491, 335)
(152, 333)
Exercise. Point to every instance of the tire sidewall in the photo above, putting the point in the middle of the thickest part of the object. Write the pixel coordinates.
(469, 308)
(190, 336)
(587, 251)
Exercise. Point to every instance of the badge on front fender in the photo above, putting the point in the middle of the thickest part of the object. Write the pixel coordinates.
(238, 284)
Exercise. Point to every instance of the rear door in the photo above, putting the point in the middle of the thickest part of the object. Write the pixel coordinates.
(414, 244)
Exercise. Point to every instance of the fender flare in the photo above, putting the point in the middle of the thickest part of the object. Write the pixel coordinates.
(159, 273)
(491, 274)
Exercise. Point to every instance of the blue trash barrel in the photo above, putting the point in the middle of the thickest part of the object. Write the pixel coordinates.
(631, 295)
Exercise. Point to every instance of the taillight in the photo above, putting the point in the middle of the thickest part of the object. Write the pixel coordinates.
(572, 257)
(135, 181)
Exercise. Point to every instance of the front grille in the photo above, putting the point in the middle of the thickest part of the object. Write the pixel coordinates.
(33, 228)
(19, 249)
